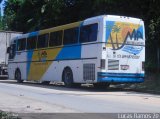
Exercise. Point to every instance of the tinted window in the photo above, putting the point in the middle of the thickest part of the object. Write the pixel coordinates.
(70, 36)
(88, 33)
(42, 41)
(31, 42)
(55, 38)
(21, 44)
(12, 51)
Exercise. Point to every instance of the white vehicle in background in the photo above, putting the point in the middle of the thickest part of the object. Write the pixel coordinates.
(5, 37)
(3, 70)
(100, 50)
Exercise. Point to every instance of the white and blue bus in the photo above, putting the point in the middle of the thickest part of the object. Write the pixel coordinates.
(100, 50)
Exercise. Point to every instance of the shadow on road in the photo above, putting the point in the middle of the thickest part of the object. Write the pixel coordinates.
(84, 88)
(60, 86)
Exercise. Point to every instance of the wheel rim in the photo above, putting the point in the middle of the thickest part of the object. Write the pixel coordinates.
(67, 77)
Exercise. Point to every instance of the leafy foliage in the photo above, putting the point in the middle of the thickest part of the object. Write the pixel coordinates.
(30, 15)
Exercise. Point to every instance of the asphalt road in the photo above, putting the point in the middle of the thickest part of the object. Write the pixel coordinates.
(36, 98)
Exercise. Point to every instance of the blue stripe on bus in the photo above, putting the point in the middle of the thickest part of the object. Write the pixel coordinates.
(121, 74)
(30, 52)
(120, 80)
(109, 26)
(29, 59)
(68, 52)
(120, 77)
(33, 33)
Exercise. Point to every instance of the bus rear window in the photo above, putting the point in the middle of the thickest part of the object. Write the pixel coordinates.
(88, 33)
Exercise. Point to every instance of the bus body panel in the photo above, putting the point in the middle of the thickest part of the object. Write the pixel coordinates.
(20, 63)
(125, 50)
(86, 59)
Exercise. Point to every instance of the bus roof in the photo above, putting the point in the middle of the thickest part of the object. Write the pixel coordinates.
(67, 26)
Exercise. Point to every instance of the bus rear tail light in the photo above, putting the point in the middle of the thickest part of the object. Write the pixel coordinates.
(103, 63)
(143, 66)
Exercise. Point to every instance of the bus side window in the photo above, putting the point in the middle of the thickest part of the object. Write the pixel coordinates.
(31, 42)
(55, 38)
(42, 41)
(21, 44)
(88, 33)
(12, 51)
(70, 36)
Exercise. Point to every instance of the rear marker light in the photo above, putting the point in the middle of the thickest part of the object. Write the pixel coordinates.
(143, 66)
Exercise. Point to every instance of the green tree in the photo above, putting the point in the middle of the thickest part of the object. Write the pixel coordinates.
(31, 15)
(10, 12)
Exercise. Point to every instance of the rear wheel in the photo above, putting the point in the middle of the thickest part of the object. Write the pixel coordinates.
(101, 85)
(67, 77)
(18, 76)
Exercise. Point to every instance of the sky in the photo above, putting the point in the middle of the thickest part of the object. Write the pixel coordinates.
(2, 7)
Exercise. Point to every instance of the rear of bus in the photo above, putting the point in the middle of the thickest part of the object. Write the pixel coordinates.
(123, 50)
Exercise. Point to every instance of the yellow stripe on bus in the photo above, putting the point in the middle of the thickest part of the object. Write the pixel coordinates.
(41, 64)
(58, 28)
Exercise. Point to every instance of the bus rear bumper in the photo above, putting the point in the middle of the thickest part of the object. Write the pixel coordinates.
(120, 77)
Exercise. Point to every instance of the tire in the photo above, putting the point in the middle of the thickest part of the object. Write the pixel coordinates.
(67, 77)
(101, 85)
(18, 76)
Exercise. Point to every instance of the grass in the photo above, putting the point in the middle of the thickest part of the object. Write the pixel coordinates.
(151, 84)
(8, 115)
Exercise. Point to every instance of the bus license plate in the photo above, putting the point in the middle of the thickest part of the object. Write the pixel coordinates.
(124, 67)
